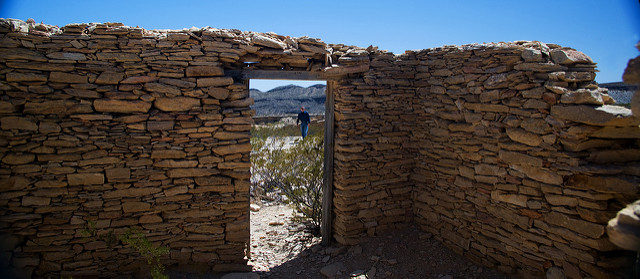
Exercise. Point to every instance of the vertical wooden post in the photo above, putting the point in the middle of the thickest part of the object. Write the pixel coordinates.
(245, 81)
(327, 187)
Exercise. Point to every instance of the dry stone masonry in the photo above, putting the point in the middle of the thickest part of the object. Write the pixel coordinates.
(522, 159)
(508, 153)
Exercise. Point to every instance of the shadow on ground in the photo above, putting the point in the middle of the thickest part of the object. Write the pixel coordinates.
(402, 253)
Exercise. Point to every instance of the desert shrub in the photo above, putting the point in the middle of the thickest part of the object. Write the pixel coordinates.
(147, 250)
(136, 240)
(279, 130)
(294, 171)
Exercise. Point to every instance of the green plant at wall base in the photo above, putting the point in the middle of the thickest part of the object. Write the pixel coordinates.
(90, 230)
(136, 240)
(147, 250)
(295, 171)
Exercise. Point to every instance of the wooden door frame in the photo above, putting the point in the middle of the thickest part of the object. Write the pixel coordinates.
(329, 136)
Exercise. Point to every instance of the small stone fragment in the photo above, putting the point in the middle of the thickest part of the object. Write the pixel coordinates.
(254, 207)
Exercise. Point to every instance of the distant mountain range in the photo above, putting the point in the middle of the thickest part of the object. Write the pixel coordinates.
(287, 99)
(621, 92)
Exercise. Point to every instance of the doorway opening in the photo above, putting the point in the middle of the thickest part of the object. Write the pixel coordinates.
(287, 168)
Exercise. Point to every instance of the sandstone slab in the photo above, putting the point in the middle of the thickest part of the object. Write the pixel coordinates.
(121, 106)
(85, 179)
(204, 71)
(176, 103)
(67, 78)
(109, 78)
(17, 123)
(522, 136)
(606, 115)
(214, 81)
(569, 56)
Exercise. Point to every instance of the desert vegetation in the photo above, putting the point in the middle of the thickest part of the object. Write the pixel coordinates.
(286, 168)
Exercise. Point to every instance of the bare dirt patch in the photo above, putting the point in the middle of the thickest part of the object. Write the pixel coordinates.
(282, 249)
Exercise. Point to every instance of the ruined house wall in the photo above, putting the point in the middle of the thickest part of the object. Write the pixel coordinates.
(106, 127)
(519, 164)
(372, 182)
(116, 129)
(490, 147)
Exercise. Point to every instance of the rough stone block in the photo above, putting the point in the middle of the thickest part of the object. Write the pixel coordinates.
(522, 136)
(129, 207)
(138, 79)
(218, 92)
(232, 149)
(118, 56)
(18, 77)
(85, 179)
(150, 219)
(67, 56)
(67, 78)
(160, 125)
(109, 78)
(539, 174)
(121, 106)
(35, 201)
(168, 154)
(176, 103)
(59, 107)
(204, 71)
(18, 123)
(116, 174)
(191, 172)
(268, 42)
(599, 116)
(18, 159)
(580, 226)
(517, 158)
(561, 200)
(519, 200)
(569, 57)
(169, 90)
(214, 81)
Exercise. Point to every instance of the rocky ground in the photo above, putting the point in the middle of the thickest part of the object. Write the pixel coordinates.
(282, 249)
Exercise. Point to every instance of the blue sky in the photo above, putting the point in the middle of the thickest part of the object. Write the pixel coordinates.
(606, 30)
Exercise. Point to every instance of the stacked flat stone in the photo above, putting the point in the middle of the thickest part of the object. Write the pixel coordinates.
(522, 161)
(122, 127)
(509, 153)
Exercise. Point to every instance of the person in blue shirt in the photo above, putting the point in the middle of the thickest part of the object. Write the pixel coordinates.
(303, 117)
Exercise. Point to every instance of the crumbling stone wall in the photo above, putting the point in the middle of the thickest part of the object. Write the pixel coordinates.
(502, 151)
(521, 162)
(373, 165)
(109, 127)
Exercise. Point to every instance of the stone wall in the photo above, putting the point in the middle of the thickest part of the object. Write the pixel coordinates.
(502, 151)
(106, 128)
(520, 165)
(372, 184)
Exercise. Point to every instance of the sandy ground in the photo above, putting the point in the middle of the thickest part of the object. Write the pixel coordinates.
(282, 249)
(275, 239)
